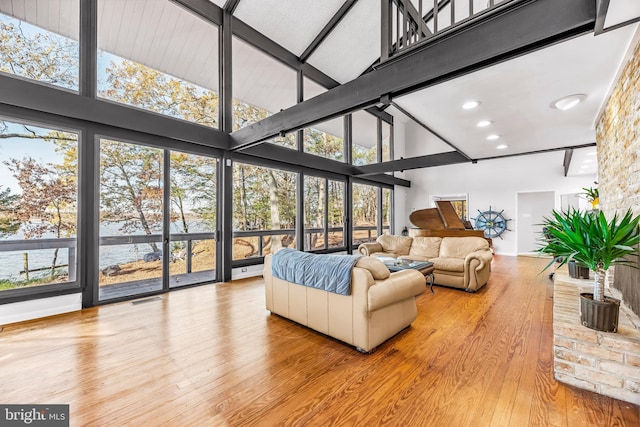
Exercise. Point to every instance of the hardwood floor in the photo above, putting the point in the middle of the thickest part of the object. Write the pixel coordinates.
(213, 355)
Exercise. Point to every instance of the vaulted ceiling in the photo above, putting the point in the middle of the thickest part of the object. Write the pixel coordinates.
(342, 40)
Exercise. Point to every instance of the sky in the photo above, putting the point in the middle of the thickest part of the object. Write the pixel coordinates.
(18, 148)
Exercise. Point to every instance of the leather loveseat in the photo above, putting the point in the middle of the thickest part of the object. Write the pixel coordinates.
(380, 305)
(460, 262)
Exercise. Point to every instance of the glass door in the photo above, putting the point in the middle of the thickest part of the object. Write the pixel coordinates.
(131, 187)
(193, 215)
(158, 219)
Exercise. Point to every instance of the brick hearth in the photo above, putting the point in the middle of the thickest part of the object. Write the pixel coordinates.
(605, 363)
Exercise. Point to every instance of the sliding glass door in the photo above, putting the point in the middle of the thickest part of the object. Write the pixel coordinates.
(157, 220)
(193, 211)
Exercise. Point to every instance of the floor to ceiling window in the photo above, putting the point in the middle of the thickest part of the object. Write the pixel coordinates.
(262, 86)
(101, 190)
(41, 45)
(365, 213)
(140, 246)
(325, 139)
(323, 213)
(131, 219)
(38, 206)
(193, 218)
(264, 210)
(364, 148)
(157, 56)
(386, 213)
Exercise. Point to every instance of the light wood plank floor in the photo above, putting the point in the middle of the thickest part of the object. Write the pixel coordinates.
(213, 355)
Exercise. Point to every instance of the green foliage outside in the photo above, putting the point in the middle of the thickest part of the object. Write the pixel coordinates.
(131, 192)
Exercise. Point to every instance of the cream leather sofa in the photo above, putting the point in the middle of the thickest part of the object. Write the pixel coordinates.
(460, 262)
(381, 304)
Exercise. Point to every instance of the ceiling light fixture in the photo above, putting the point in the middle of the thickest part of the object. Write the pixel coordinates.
(470, 105)
(502, 146)
(493, 137)
(484, 123)
(568, 102)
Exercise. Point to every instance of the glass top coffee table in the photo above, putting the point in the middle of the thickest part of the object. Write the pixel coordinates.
(424, 267)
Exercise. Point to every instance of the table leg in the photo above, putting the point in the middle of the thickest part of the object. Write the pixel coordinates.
(431, 279)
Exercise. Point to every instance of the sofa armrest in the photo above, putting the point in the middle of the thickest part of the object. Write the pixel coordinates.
(477, 268)
(367, 249)
(399, 286)
(478, 260)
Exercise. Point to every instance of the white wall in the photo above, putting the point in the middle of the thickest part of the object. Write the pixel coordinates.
(33, 309)
(492, 183)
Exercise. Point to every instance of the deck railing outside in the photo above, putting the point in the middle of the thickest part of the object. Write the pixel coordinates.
(367, 233)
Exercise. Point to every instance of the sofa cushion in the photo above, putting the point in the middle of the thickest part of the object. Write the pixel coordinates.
(425, 247)
(378, 270)
(399, 245)
(449, 264)
(460, 247)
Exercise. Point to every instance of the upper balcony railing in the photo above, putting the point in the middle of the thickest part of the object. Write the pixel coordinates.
(407, 23)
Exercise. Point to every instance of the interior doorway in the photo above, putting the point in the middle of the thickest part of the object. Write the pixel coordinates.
(532, 207)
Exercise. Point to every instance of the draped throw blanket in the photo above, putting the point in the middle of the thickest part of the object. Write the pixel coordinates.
(327, 272)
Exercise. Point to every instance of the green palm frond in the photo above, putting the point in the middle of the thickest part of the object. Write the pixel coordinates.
(591, 240)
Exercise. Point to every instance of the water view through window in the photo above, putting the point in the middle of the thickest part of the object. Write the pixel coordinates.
(38, 205)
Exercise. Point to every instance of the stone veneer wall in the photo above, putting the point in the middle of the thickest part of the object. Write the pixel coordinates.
(606, 363)
(618, 140)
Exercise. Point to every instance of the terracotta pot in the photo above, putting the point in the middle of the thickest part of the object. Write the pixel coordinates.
(598, 315)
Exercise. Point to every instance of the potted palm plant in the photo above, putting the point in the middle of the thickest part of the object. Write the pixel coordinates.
(593, 196)
(591, 240)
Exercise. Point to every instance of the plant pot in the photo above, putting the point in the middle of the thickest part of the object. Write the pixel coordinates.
(598, 315)
(577, 271)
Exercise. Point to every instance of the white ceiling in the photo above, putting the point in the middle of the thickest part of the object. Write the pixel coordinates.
(515, 94)
(621, 11)
(279, 20)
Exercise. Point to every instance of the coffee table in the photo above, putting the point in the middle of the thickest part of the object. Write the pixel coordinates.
(425, 267)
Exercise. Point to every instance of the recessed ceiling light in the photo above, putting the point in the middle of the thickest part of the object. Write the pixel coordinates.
(493, 137)
(502, 146)
(470, 104)
(484, 123)
(591, 153)
(568, 102)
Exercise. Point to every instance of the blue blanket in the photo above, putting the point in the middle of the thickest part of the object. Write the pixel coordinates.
(327, 272)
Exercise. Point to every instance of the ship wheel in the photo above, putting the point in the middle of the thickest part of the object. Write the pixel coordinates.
(492, 222)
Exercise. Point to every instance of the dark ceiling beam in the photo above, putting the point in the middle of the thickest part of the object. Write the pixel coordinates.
(387, 179)
(38, 97)
(566, 163)
(427, 161)
(311, 161)
(271, 48)
(230, 6)
(333, 22)
(517, 29)
(602, 7)
(204, 8)
(428, 129)
(528, 153)
(620, 25)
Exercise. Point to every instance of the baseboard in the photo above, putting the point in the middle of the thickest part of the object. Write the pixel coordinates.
(37, 308)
